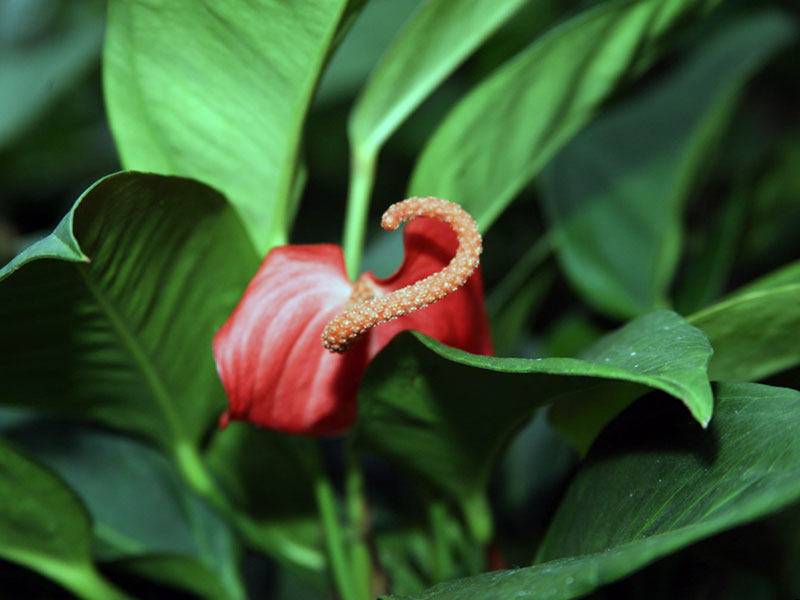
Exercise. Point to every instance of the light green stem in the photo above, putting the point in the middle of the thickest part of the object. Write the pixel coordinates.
(443, 560)
(274, 542)
(362, 176)
(358, 518)
(334, 538)
(82, 579)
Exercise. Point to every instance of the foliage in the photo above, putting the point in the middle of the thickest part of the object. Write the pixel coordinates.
(632, 165)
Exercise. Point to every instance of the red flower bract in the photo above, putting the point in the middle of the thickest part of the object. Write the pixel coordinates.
(270, 354)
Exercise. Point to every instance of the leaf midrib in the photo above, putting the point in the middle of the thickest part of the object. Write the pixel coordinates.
(139, 356)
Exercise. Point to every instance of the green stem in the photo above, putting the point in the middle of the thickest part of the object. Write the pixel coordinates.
(443, 560)
(334, 538)
(362, 175)
(272, 541)
(82, 579)
(358, 518)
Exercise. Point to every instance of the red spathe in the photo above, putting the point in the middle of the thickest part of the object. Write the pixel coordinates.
(269, 353)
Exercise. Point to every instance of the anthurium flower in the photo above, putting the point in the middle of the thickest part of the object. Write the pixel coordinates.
(292, 354)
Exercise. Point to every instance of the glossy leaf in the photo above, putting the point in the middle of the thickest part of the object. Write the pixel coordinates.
(444, 414)
(144, 516)
(44, 526)
(655, 483)
(430, 47)
(617, 226)
(111, 316)
(504, 131)
(218, 92)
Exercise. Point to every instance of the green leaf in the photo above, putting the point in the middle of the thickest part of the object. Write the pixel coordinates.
(34, 75)
(218, 91)
(44, 526)
(617, 227)
(502, 133)
(755, 331)
(263, 474)
(655, 483)
(430, 47)
(361, 48)
(143, 513)
(111, 316)
(444, 414)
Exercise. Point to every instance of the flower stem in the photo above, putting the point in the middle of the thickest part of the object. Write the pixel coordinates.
(83, 580)
(359, 521)
(274, 542)
(334, 538)
(443, 560)
(362, 175)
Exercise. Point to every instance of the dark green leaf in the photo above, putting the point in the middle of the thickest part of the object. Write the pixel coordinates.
(264, 473)
(218, 91)
(617, 226)
(179, 572)
(34, 75)
(755, 331)
(44, 526)
(111, 316)
(654, 483)
(501, 134)
(141, 509)
(444, 414)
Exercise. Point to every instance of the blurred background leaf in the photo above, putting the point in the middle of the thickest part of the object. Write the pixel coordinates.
(44, 527)
(144, 517)
(36, 69)
(264, 473)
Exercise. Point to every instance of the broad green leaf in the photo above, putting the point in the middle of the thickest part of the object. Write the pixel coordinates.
(111, 316)
(504, 131)
(44, 526)
(754, 333)
(617, 226)
(263, 473)
(218, 91)
(436, 40)
(143, 513)
(444, 414)
(655, 483)
(35, 74)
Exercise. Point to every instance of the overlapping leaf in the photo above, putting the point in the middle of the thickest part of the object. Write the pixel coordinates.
(502, 133)
(111, 316)
(755, 331)
(143, 515)
(44, 526)
(437, 39)
(218, 91)
(615, 194)
(251, 464)
(444, 414)
(655, 483)
(33, 76)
